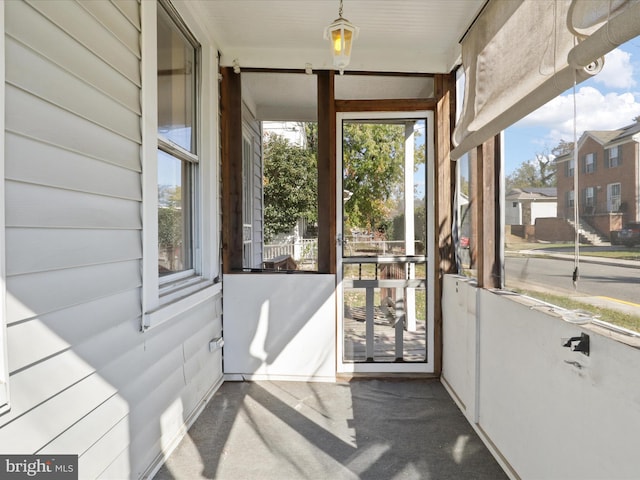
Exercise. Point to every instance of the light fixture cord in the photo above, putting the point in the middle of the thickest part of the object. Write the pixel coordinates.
(340, 9)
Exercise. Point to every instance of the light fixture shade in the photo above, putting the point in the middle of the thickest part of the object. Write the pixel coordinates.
(341, 33)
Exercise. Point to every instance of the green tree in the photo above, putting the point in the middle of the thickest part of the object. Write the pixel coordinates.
(537, 172)
(562, 148)
(290, 185)
(170, 222)
(373, 156)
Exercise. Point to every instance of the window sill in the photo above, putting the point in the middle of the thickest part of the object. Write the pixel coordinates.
(595, 326)
(176, 306)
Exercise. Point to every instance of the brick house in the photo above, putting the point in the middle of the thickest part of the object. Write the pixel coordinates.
(608, 179)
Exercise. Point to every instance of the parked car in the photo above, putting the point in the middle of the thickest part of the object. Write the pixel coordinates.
(630, 234)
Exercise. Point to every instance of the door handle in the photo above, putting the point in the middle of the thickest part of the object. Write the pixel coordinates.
(339, 239)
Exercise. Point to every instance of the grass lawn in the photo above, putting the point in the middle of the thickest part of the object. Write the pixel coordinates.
(615, 317)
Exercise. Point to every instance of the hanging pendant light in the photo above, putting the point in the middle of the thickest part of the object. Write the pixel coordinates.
(341, 33)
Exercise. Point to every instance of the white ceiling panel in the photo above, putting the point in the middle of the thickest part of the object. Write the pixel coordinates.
(395, 35)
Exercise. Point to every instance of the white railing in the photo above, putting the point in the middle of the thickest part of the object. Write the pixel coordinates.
(365, 244)
(303, 249)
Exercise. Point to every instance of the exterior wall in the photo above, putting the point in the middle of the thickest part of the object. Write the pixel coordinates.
(607, 223)
(253, 129)
(513, 213)
(526, 212)
(542, 210)
(84, 379)
(554, 230)
(626, 174)
(548, 412)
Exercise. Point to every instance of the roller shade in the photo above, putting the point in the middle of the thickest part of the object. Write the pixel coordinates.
(602, 25)
(516, 58)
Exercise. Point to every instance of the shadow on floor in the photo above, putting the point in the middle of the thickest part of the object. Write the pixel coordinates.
(370, 429)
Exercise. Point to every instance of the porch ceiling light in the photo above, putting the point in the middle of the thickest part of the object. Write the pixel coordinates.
(341, 33)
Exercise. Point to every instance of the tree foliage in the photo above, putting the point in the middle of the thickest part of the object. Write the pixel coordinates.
(290, 185)
(373, 172)
(562, 148)
(539, 171)
(170, 221)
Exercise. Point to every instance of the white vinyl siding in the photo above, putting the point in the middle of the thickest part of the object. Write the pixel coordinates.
(83, 378)
(247, 202)
(4, 367)
(253, 133)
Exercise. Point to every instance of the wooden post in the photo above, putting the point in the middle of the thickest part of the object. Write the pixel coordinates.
(231, 118)
(444, 181)
(326, 173)
(488, 235)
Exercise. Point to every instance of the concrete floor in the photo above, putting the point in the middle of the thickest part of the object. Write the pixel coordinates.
(369, 429)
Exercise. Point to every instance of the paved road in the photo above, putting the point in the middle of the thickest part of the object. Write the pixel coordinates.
(617, 282)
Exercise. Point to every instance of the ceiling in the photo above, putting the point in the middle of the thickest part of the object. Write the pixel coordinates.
(395, 35)
(404, 36)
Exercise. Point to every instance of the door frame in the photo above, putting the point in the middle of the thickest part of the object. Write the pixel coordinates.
(378, 367)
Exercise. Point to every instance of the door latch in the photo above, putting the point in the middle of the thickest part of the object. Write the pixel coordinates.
(339, 239)
(578, 344)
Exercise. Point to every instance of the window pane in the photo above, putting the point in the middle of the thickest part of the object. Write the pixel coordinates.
(384, 185)
(465, 236)
(574, 243)
(174, 215)
(176, 84)
(290, 182)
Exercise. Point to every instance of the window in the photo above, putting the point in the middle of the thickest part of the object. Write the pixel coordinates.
(614, 156)
(247, 203)
(590, 163)
(179, 208)
(597, 281)
(464, 207)
(289, 177)
(614, 191)
(177, 146)
(589, 197)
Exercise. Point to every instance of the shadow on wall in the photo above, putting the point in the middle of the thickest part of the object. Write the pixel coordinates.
(284, 328)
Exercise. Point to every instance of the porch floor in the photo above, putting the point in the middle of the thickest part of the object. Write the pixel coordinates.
(384, 337)
(377, 429)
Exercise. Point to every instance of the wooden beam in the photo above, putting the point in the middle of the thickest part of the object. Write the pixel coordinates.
(475, 200)
(444, 86)
(231, 123)
(488, 223)
(397, 105)
(346, 74)
(326, 172)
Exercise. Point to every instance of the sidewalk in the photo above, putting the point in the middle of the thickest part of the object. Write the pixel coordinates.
(618, 262)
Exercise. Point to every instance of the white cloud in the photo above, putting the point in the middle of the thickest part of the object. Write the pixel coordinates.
(617, 71)
(595, 111)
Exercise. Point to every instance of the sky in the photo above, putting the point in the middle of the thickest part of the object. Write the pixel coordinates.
(608, 101)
